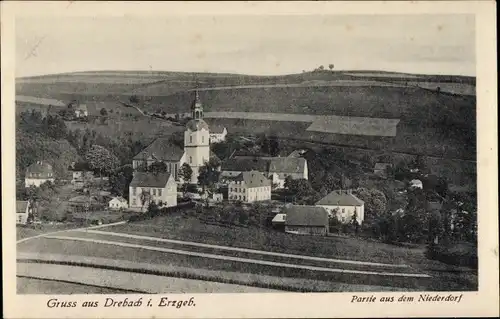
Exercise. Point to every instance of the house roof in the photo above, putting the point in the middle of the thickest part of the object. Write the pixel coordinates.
(296, 153)
(196, 125)
(287, 165)
(162, 149)
(39, 167)
(382, 165)
(120, 199)
(253, 179)
(143, 179)
(302, 215)
(245, 164)
(217, 129)
(279, 218)
(81, 107)
(340, 198)
(21, 206)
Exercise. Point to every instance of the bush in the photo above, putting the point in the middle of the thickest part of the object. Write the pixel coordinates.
(458, 254)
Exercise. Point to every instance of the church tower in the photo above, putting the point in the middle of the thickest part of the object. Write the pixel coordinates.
(196, 139)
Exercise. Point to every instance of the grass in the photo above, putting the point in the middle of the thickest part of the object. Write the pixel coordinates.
(30, 231)
(30, 285)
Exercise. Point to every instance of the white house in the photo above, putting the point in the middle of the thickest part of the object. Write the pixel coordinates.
(160, 188)
(249, 187)
(416, 183)
(217, 134)
(196, 149)
(344, 205)
(23, 210)
(80, 110)
(38, 173)
(282, 167)
(117, 203)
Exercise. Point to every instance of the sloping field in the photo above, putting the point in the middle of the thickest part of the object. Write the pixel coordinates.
(453, 88)
(355, 125)
(262, 116)
(39, 100)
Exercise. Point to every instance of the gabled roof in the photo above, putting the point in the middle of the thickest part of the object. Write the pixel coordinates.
(119, 198)
(340, 198)
(302, 215)
(287, 165)
(162, 149)
(21, 206)
(252, 179)
(245, 164)
(40, 167)
(143, 179)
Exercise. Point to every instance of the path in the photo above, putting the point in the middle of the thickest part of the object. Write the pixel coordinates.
(230, 258)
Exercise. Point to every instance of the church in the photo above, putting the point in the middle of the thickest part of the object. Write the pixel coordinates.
(196, 149)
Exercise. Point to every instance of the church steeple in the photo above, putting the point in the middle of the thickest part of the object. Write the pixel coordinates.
(196, 107)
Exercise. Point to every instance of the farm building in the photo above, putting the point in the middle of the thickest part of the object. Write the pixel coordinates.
(381, 169)
(196, 149)
(306, 220)
(160, 188)
(23, 211)
(282, 167)
(344, 205)
(233, 167)
(84, 203)
(250, 187)
(217, 133)
(117, 203)
(278, 221)
(38, 173)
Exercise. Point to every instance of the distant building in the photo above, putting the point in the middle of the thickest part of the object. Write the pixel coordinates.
(160, 188)
(80, 110)
(217, 134)
(250, 187)
(233, 167)
(117, 203)
(38, 173)
(282, 167)
(416, 183)
(306, 220)
(85, 203)
(81, 174)
(343, 204)
(380, 169)
(23, 211)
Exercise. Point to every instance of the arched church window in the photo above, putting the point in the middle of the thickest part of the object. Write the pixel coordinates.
(190, 139)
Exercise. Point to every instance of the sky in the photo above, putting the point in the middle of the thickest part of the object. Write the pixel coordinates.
(260, 45)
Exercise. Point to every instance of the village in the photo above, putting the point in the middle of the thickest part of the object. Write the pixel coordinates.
(167, 177)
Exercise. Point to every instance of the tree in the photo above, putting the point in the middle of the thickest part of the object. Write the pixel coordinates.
(103, 112)
(330, 66)
(120, 180)
(208, 176)
(145, 198)
(185, 173)
(134, 99)
(375, 202)
(321, 68)
(101, 160)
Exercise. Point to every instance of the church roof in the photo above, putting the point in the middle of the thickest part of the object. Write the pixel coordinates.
(196, 125)
(162, 149)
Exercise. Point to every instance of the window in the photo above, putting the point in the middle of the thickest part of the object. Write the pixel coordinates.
(133, 191)
(159, 192)
(190, 160)
(134, 201)
(154, 191)
(203, 139)
(244, 198)
(190, 139)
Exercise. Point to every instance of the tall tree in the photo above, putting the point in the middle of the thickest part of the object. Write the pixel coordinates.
(375, 202)
(101, 160)
(330, 66)
(208, 176)
(186, 172)
(157, 167)
(104, 112)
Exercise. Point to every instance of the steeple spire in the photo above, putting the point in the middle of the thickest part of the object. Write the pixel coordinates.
(196, 107)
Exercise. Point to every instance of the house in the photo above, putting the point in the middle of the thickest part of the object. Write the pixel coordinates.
(195, 152)
(80, 110)
(278, 221)
(217, 134)
(117, 203)
(233, 167)
(250, 187)
(344, 205)
(160, 188)
(381, 169)
(38, 173)
(282, 167)
(23, 212)
(416, 183)
(306, 220)
(85, 203)
(297, 153)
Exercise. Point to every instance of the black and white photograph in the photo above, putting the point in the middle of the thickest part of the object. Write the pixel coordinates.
(217, 153)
